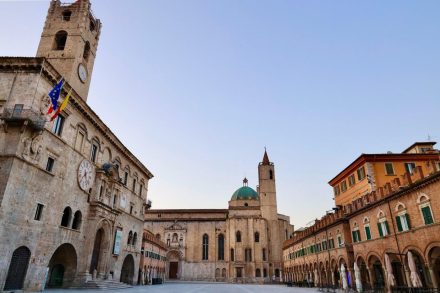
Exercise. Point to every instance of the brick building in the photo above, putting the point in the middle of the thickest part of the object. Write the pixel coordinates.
(153, 258)
(384, 238)
(71, 193)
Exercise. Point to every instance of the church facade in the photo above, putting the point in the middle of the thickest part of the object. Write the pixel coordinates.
(72, 197)
(241, 244)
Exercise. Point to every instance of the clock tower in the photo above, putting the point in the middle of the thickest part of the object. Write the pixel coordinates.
(69, 42)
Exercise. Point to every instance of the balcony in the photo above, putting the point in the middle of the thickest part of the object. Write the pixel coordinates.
(26, 117)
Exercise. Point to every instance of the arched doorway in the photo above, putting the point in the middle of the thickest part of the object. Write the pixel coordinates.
(96, 250)
(127, 271)
(378, 274)
(420, 267)
(174, 265)
(434, 261)
(62, 266)
(365, 278)
(17, 268)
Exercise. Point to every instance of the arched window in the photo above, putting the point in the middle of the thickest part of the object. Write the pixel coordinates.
(66, 15)
(86, 52)
(257, 237)
(67, 215)
(221, 247)
(130, 238)
(205, 247)
(158, 236)
(232, 254)
(258, 273)
(238, 236)
(60, 40)
(76, 224)
(135, 236)
(270, 174)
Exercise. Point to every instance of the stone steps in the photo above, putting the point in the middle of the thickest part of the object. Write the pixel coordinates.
(103, 285)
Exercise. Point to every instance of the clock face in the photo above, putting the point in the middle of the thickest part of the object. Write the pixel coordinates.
(82, 72)
(86, 175)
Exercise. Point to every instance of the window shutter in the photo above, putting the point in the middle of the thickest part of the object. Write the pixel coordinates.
(408, 221)
(387, 227)
(368, 232)
(353, 235)
(379, 227)
(427, 215)
(399, 224)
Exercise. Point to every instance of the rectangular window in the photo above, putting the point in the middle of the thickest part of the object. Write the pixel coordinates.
(403, 223)
(93, 153)
(367, 232)
(343, 186)
(131, 209)
(409, 167)
(324, 245)
(356, 236)
(125, 178)
(361, 173)
(50, 164)
(264, 254)
(58, 125)
(38, 212)
(427, 215)
(134, 186)
(389, 169)
(351, 180)
(18, 108)
(331, 244)
(140, 189)
(339, 241)
(337, 190)
(383, 228)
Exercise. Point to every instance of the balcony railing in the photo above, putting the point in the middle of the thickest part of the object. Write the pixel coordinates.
(29, 116)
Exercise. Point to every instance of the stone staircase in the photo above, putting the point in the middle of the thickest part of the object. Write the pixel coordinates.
(103, 285)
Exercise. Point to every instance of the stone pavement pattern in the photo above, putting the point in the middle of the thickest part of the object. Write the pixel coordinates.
(199, 287)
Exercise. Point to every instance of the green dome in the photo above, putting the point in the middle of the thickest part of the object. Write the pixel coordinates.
(245, 192)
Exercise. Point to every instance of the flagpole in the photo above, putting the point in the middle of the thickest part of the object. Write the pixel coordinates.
(38, 83)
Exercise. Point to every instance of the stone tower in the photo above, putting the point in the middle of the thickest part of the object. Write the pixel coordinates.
(268, 205)
(267, 190)
(69, 42)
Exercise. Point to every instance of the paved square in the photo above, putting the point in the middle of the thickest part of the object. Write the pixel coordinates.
(200, 287)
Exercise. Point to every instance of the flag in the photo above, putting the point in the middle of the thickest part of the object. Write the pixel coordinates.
(54, 95)
(62, 107)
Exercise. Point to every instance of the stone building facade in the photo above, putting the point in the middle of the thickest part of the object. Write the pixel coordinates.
(384, 239)
(70, 191)
(238, 244)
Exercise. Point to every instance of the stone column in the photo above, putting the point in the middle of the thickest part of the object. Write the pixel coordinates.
(433, 277)
(407, 276)
(333, 277)
(371, 277)
(352, 280)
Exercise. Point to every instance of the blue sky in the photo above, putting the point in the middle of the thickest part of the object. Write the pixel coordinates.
(196, 89)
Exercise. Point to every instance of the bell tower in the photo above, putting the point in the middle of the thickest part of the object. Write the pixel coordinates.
(267, 190)
(69, 42)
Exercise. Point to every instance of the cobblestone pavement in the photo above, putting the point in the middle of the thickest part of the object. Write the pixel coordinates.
(199, 288)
